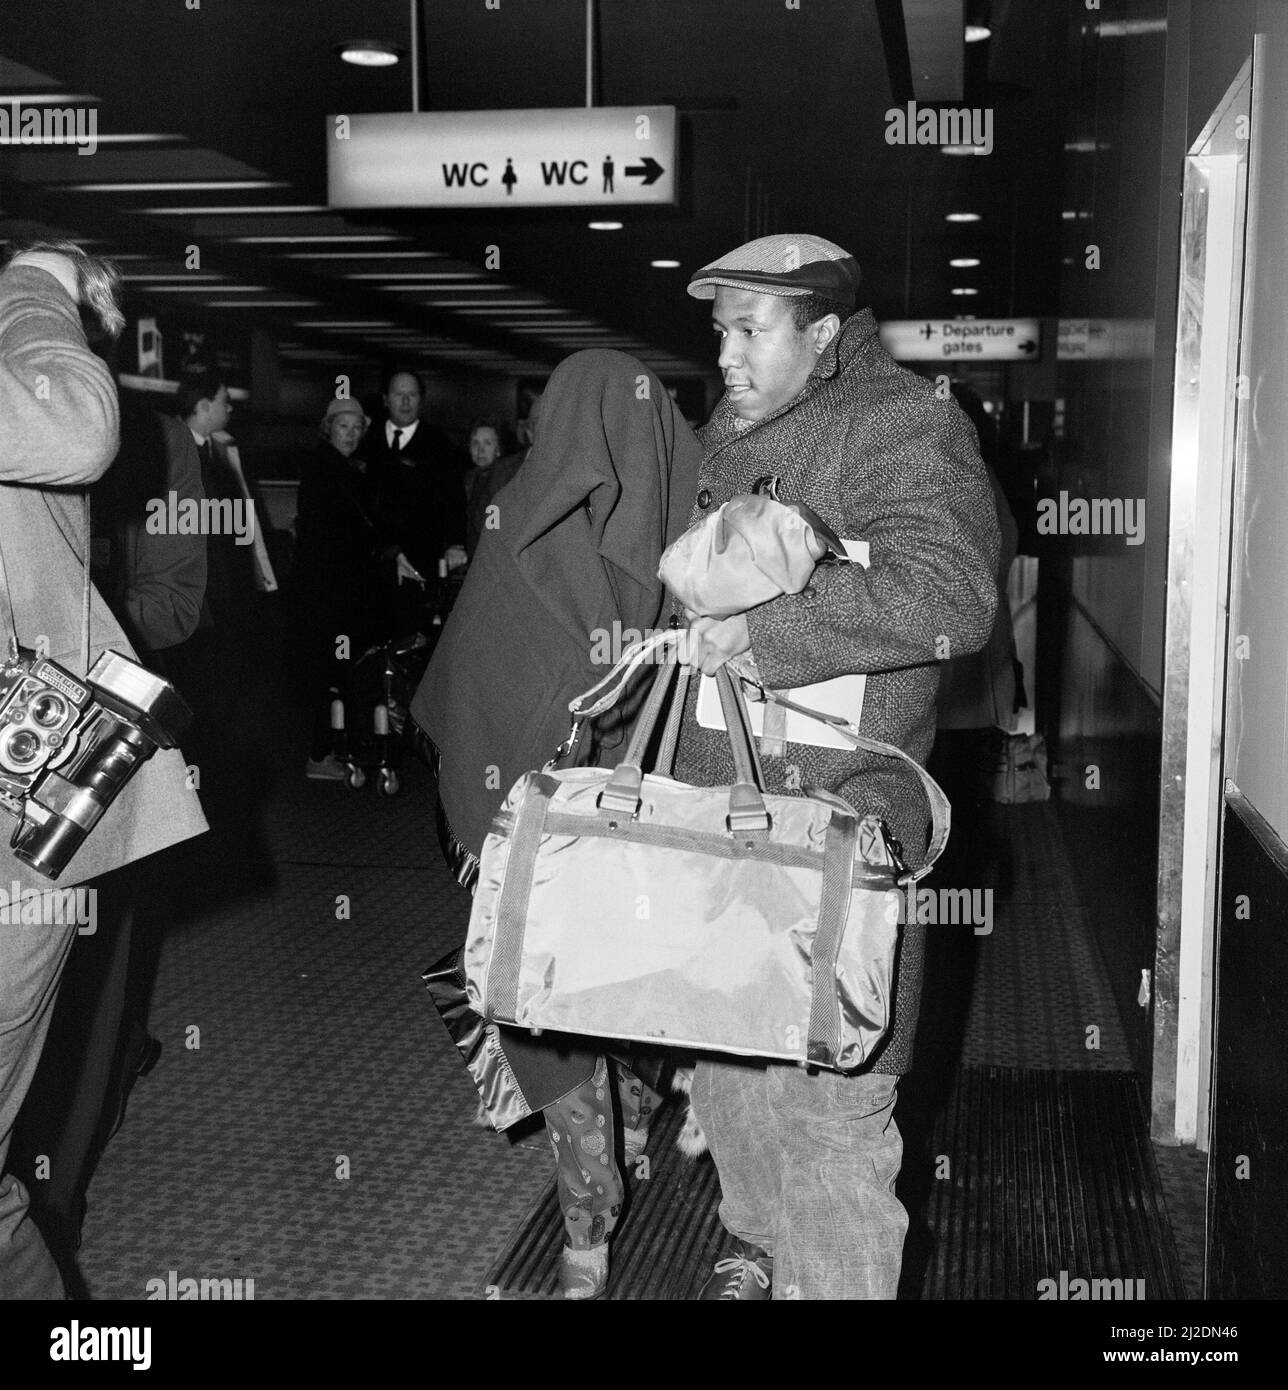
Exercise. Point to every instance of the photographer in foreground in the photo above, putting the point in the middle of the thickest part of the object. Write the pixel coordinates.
(58, 433)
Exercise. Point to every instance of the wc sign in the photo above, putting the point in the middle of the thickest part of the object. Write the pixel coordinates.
(553, 157)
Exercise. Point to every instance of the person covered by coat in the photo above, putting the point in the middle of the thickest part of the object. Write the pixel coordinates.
(571, 563)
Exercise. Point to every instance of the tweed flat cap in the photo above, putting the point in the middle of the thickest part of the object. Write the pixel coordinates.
(784, 264)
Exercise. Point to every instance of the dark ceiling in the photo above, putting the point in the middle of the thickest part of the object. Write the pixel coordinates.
(783, 124)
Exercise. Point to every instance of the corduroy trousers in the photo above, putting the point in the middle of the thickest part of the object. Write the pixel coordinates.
(807, 1164)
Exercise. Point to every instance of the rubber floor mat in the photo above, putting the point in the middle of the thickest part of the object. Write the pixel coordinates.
(1025, 1176)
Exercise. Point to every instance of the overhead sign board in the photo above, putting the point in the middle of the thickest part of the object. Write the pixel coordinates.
(555, 157)
(1090, 340)
(971, 340)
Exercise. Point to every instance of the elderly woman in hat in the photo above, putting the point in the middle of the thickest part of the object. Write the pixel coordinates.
(337, 579)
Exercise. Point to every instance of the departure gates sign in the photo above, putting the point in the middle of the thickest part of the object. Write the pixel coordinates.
(947, 340)
(556, 157)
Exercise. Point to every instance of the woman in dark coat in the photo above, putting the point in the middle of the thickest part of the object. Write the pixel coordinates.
(343, 567)
(579, 532)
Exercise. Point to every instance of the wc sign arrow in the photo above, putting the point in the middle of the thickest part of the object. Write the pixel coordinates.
(558, 156)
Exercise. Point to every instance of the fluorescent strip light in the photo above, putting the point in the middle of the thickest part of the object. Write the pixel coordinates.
(964, 289)
(253, 210)
(665, 265)
(472, 305)
(331, 236)
(356, 255)
(158, 278)
(517, 307)
(262, 303)
(1129, 28)
(49, 99)
(99, 140)
(206, 186)
(423, 274)
(207, 289)
(964, 262)
(348, 323)
(962, 149)
(962, 217)
(604, 226)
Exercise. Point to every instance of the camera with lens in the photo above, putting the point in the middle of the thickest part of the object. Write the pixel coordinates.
(68, 745)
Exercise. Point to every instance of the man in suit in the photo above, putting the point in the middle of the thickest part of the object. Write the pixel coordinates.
(58, 433)
(808, 1162)
(420, 486)
(207, 665)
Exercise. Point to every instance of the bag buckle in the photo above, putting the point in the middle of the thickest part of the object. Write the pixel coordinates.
(746, 810)
(568, 746)
(622, 791)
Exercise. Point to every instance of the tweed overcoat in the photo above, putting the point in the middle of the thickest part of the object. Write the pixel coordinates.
(878, 455)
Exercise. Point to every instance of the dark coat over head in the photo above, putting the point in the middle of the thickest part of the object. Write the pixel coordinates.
(582, 526)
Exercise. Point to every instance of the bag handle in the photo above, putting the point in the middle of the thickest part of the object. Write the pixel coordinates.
(746, 802)
(622, 793)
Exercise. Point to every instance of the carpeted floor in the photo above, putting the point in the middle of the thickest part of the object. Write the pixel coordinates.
(309, 1125)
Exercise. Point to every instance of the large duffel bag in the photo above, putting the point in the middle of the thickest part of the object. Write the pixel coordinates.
(627, 905)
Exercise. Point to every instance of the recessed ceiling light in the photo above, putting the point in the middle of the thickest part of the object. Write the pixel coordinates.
(964, 289)
(964, 262)
(368, 53)
(665, 265)
(962, 217)
(604, 226)
(977, 33)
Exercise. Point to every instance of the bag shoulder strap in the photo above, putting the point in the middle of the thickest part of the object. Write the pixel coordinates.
(940, 808)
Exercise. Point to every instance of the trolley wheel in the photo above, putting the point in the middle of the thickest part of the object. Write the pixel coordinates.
(356, 778)
(390, 784)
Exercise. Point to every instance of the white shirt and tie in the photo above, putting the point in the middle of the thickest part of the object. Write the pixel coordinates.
(397, 436)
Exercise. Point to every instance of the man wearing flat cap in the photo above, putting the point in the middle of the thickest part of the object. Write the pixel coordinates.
(808, 1159)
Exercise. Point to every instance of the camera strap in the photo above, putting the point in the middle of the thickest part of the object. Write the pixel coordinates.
(87, 546)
